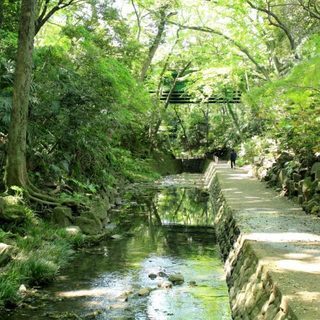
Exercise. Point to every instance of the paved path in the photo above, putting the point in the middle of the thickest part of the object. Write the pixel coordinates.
(285, 238)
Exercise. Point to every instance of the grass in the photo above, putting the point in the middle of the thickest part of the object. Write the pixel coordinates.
(41, 251)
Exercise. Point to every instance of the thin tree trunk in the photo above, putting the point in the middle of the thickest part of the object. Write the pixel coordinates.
(154, 46)
(16, 169)
(167, 102)
(182, 127)
(138, 19)
(234, 118)
(156, 41)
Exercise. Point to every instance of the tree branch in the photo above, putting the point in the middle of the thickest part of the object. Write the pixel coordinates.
(277, 23)
(244, 50)
(311, 7)
(138, 19)
(45, 15)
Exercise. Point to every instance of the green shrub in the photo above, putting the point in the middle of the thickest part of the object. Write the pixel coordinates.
(37, 270)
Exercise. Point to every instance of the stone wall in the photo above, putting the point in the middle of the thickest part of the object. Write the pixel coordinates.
(295, 178)
(253, 294)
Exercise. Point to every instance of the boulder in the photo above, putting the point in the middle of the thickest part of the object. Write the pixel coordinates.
(101, 208)
(88, 225)
(12, 210)
(6, 252)
(176, 278)
(62, 216)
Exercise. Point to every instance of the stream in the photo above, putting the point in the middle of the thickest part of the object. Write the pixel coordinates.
(158, 231)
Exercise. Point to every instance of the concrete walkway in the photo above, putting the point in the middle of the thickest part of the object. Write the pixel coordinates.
(286, 240)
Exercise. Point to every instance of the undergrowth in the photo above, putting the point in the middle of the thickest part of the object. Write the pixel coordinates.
(40, 251)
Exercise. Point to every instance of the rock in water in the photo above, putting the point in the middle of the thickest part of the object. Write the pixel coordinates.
(152, 276)
(144, 292)
(165, 284)
(176, 278)
(162, 274)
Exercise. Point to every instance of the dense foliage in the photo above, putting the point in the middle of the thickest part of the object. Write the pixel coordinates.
(95, 117)
(90, 116)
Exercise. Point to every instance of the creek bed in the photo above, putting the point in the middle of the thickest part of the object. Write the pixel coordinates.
(167, 230)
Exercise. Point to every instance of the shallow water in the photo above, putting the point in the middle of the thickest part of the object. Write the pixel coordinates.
(165, 230)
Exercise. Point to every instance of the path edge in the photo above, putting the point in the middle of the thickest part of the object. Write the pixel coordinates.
(253, 293)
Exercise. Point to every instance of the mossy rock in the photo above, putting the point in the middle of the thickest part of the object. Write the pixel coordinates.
(62, 216)
(12, 210)
(101, 208)
(90, 226)
(176, 278)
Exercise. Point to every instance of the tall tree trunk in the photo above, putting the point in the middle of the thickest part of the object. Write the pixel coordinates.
(16, 169)
(155, 44)
(156, 41)
(1, 13)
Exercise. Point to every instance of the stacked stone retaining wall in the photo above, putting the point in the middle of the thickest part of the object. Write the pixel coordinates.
(253, 293)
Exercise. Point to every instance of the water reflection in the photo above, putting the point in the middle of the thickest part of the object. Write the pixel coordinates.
(102, 282)
(185, 206)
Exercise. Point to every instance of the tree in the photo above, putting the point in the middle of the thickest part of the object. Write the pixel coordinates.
(47, 11)
(164, 16)
(16, 169)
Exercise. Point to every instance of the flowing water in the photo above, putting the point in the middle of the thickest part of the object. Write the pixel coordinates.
(162, 231)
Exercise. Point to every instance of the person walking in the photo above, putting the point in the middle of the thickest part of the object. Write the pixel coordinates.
(233, 158)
